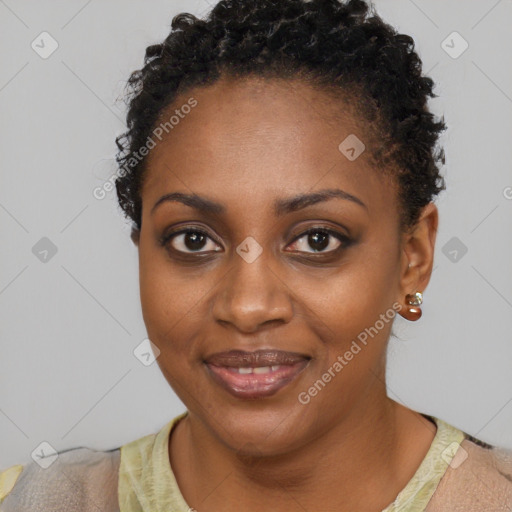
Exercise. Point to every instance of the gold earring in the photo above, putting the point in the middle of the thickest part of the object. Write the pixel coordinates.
(415, 300)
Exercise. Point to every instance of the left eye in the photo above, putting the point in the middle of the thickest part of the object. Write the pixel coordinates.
(319, 240)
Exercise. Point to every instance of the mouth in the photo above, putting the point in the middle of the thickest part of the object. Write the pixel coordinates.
(257, 374)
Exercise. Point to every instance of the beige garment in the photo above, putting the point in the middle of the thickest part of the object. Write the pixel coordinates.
(79, 480)
(483, 481)
(457, 474)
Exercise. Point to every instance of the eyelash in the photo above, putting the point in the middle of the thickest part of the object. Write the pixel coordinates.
(345, 240)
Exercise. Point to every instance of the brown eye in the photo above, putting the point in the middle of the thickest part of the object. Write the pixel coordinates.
(189, 241)
(321, 240)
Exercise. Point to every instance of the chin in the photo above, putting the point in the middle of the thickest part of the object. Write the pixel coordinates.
(262, 431)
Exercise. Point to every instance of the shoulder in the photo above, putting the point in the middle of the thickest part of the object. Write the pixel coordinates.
(83, 479)
(488, 467)
(79, 479)
(479, 477)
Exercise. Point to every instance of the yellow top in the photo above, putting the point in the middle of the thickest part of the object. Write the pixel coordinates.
(8, 479)
(147, 483)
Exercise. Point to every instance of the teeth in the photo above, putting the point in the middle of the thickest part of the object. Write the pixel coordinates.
(261, 369)
(258, 369)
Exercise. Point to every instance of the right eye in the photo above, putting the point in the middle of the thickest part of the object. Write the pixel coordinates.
(188, 241)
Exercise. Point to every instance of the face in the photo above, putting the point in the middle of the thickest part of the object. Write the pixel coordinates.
(246, 274)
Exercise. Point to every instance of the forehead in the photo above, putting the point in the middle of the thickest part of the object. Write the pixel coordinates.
(259, 138)
(254, 109)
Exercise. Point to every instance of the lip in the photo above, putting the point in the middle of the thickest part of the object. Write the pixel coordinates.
(223, 368)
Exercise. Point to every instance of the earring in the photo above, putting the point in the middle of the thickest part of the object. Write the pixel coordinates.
(415, 300)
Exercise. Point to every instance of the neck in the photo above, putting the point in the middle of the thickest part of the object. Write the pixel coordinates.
(364, 459)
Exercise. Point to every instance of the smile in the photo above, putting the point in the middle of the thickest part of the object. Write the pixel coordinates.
(252, 375)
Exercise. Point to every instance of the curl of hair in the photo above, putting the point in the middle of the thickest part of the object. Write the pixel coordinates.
(343, 48)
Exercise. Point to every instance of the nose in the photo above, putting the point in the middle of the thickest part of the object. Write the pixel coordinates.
(252, 295)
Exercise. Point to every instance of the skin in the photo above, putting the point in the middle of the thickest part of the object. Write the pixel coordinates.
(246, 144)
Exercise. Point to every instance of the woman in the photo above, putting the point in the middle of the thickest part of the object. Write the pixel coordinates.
(279, 170)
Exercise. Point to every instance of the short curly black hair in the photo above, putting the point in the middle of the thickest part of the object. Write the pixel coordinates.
(341, 48)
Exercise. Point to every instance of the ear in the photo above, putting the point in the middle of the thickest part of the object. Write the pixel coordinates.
(135, 235)
(418, 247)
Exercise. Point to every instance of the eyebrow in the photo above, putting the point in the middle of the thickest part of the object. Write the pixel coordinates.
(281, 206)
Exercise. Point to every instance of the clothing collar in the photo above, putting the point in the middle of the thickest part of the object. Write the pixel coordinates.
(147, 482)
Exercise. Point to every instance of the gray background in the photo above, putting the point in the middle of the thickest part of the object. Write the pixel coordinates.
(70, 324)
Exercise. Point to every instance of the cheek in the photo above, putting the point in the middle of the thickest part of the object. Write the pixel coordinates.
(161, 298)
(172, 304)
(353, 296)
(353, 311)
